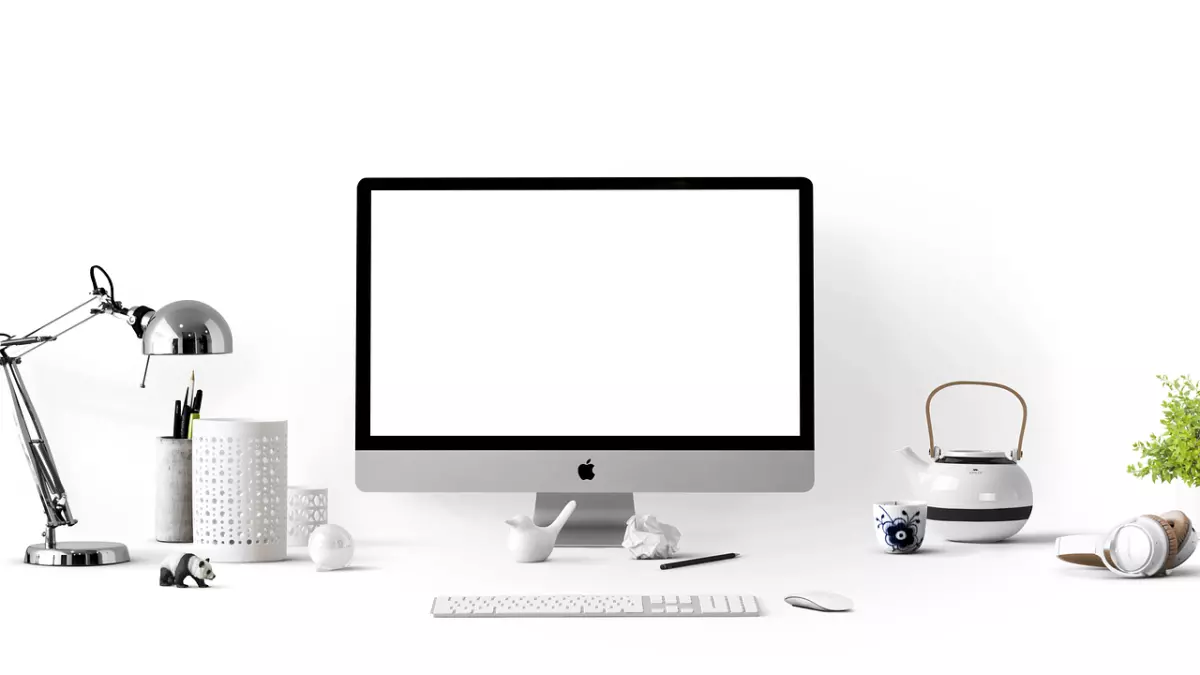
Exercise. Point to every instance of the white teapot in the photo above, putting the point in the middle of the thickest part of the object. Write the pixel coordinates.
(973, 496)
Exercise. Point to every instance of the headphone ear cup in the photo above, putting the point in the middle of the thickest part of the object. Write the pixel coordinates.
(1143, 547)
(1172, 540)
(1185, 535)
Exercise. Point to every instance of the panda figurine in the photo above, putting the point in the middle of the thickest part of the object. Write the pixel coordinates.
(177, 567)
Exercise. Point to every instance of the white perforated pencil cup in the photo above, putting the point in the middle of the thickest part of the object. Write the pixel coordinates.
(239, 489)
(307, 509)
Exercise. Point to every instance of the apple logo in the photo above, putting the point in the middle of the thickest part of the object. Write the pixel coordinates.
(587, 471)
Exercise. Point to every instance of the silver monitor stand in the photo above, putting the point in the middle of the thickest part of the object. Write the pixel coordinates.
(599, 518)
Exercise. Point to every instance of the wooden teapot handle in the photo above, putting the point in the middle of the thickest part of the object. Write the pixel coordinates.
(1024, 411)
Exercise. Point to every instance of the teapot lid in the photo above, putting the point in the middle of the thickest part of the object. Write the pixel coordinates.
(974, 457)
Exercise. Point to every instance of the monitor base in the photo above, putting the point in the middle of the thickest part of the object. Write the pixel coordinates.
(599, 518)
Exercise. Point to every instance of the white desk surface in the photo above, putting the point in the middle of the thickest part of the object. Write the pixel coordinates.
(951, 606)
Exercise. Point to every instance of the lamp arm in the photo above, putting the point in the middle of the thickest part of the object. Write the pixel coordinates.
(37, 452)
(85, 303)
(137, 317)
(37, 449)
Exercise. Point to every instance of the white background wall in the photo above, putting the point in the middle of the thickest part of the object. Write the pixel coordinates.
(1005, 193)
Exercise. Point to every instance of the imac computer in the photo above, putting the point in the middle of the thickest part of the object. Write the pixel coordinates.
(584, 338)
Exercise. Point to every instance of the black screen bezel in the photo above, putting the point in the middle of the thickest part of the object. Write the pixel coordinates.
(362, 362)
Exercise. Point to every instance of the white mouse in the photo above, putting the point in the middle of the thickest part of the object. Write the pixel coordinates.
(822, 601)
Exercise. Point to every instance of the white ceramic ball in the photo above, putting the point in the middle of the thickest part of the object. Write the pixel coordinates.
(331, 547)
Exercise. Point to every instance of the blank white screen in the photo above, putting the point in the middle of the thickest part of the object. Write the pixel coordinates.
(585, 313)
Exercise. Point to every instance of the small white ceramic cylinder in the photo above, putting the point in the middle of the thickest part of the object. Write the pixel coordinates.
(307, 509)
(239, 481)
(173, 490)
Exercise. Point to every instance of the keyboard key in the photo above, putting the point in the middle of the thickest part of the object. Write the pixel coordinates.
(710, 604)
(656, 599)
(670, 599)
(672, 609)
(750, 604)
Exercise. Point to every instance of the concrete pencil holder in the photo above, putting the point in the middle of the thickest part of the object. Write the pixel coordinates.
(239, 480)
(173, 490)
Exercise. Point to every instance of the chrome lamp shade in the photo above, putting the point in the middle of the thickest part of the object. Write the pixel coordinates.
(187, 327)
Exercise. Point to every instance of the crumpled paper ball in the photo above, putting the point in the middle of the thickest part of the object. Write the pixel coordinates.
(647, 539)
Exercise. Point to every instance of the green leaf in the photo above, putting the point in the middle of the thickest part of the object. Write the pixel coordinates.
(1174, 454)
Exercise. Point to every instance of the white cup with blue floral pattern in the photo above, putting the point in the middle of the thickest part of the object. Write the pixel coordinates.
(900, 526)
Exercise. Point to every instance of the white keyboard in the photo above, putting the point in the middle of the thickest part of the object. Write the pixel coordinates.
(480, 606)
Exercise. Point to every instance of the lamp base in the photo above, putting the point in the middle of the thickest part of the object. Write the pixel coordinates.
(77, 554)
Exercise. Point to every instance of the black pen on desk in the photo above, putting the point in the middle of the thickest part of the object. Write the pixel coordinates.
(697, 561)
(175, 430)
(197, 401)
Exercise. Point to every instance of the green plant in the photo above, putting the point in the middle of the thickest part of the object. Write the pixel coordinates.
(1175, 454)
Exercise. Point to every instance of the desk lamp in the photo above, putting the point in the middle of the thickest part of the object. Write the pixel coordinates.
(184, 327)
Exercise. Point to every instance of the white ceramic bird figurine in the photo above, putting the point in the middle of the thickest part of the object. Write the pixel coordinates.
(530, 543)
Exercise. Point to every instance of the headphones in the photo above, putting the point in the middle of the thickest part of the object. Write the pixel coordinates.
(1146, 546)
